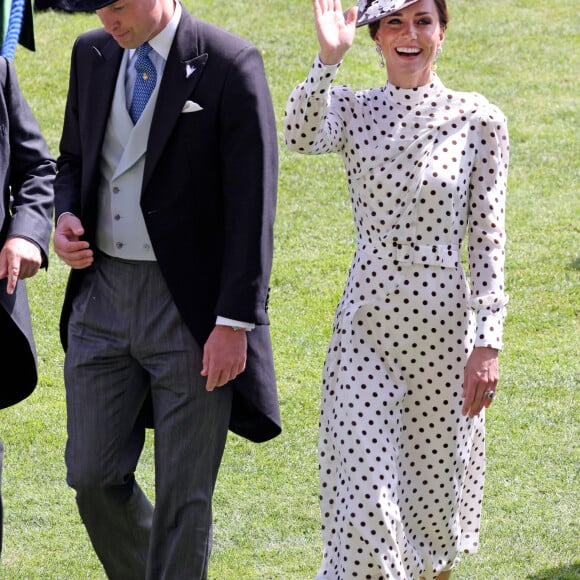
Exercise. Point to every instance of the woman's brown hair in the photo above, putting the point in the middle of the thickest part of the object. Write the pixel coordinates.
(441, 6)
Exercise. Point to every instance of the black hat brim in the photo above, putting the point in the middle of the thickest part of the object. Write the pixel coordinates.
(86, 5)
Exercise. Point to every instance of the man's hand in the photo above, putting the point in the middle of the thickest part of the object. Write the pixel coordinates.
(480, 378)
(68, 245)
(19, 259)
(224, 356)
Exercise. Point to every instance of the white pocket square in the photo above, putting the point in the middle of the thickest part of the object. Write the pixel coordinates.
(191, 107)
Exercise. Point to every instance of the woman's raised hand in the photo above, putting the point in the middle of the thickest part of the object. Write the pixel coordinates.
(335, 32)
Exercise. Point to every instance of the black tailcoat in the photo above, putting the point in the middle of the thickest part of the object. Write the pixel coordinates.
(209, 189)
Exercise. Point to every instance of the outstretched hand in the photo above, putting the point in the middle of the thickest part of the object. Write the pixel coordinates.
(335, 32)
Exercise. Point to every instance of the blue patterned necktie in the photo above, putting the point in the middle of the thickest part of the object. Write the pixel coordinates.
(145, 81)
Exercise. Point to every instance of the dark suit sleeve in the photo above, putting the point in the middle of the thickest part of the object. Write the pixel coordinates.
(26, 173)
(31, 169)
(68, 181)
(249, 179)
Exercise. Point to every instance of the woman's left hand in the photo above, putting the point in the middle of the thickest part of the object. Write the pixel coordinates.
(480, 379)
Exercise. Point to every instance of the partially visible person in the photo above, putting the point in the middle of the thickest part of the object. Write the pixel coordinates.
(165, 201)
(413, 360)
(26, 175)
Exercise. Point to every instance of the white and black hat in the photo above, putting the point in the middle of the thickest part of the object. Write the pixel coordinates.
(371, 10)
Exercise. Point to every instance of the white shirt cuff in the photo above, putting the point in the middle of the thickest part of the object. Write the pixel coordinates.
(222, 321)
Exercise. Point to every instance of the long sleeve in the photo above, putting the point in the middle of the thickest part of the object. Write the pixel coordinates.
(32, 169)
(249, 185)
(312, 125)
(487, 236)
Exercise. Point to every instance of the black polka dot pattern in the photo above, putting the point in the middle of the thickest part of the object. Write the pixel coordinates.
(401, 470)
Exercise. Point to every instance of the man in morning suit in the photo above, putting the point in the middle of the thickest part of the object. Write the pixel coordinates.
(165, 213)
(26, 176)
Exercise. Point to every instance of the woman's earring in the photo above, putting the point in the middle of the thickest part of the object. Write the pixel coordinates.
(437, 55)
(380, 53)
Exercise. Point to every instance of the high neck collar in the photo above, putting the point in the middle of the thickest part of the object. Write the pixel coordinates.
(415, 96)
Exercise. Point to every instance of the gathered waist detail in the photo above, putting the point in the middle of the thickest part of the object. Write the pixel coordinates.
(443, 255)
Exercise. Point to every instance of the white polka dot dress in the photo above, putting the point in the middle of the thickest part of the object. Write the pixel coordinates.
(401, 470)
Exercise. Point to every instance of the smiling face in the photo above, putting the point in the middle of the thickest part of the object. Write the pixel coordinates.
(409, 40)
(133, 22)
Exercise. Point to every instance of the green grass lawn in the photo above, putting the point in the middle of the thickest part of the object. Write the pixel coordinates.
(523, 55)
